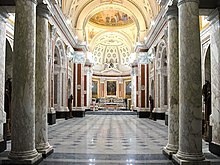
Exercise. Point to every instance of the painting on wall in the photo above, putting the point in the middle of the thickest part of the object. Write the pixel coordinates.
(111, 88)
(128, 89)
(94, 89)
(111, 18)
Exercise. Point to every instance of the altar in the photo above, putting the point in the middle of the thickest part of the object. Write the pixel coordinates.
(111, 103)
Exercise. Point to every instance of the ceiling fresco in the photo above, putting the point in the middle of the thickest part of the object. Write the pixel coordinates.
(111, 28)
(111, 18)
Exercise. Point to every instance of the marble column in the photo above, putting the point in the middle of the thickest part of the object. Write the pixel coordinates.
(173, 82)
(79, 109)
(88, 86)
(190, 95)
(142, 86)
(23, 88)
(41, 82)
(3, 16)
(51, 111)
(214, 18)
(134, 86)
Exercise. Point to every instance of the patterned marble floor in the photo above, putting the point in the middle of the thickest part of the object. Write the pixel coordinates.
(107, 139)
(110, 140)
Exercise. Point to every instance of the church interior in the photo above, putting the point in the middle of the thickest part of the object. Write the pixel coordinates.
(110, 82)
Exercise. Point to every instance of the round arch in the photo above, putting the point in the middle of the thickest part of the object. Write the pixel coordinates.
(59, 47)
(96, 40)
(93, 7)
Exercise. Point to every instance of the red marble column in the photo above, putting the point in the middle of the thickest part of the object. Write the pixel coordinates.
(143, 86)
(147, 85)
(85, 89)
(79, 86)
(137, 103)
(74, 85)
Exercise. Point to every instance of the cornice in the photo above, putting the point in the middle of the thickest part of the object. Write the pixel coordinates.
(59, 19)
(160, 24)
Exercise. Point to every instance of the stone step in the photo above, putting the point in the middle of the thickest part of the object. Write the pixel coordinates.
(110, 112)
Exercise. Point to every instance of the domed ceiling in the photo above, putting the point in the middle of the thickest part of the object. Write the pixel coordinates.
(111, 28)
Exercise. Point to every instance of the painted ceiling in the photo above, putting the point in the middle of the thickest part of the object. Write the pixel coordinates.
(111, 28)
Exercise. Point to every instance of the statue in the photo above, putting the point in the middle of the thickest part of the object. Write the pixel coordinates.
(206, 92)
(151, 100)
(70, 105)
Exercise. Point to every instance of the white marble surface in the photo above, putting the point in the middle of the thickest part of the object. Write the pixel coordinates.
(41, 81)
(173, 81)
(133, 87)
(2, 71)
(60, 70)
(215, 79)
(23, 87)
(160, 73)
(190, 95)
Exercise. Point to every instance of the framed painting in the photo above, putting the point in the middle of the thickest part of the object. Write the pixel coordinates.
(111, 88)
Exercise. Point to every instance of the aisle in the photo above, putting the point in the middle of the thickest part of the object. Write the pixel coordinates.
(107, 139)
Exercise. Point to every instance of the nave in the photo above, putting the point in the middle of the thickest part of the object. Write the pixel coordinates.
(110, 140)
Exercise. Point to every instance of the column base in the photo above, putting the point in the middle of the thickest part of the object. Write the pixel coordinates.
(214, 148)
(51, 118)
(166, 118)
(45, 149)
(48, 152)
(34, 161)
(169, 153)
(159, 113)
(62, 114)
(3, 145)
(79, 113)
(177, 161)
(143, 114)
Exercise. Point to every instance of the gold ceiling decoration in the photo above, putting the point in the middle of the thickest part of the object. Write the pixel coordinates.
(110, 1)
(111, 18)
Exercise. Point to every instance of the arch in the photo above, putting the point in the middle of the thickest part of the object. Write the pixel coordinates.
(161, 76)
(96, 6)
(61, 52)
(108, 7)
(96, 38)
(160, 48)
(86, 11)
(60, 82)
